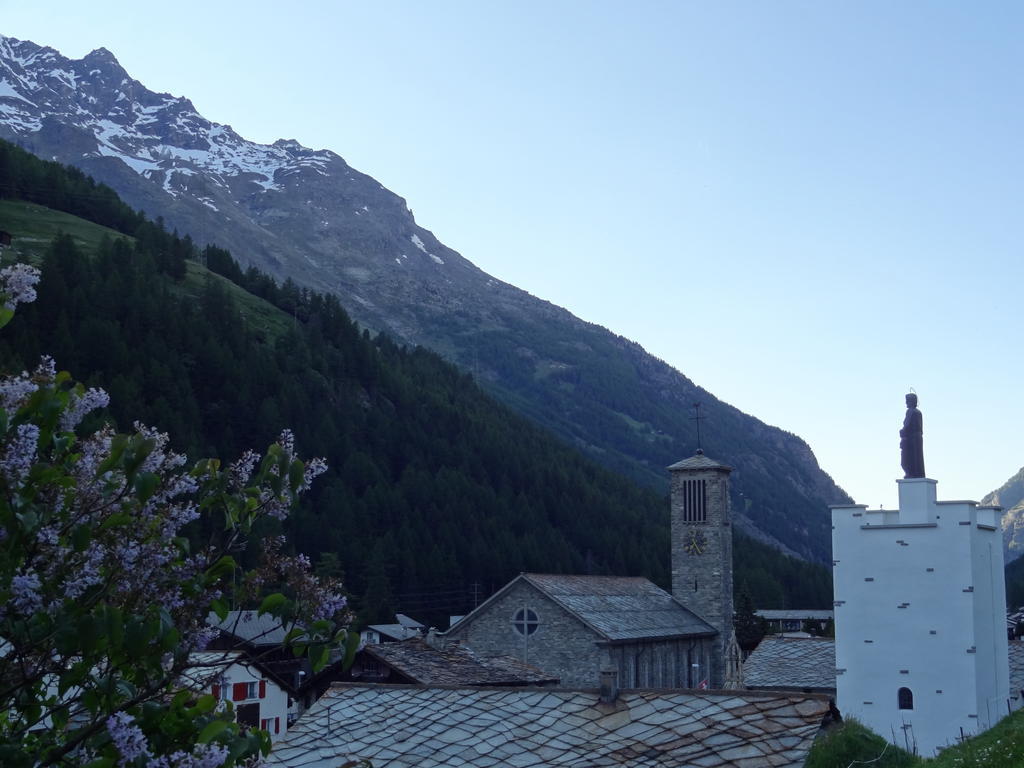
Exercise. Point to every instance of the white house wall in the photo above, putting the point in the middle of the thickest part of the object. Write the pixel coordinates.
(919, 603)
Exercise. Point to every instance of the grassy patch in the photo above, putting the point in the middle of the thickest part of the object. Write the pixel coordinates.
(852, 744)
(267, 321)
(999, 747)
(33, 227)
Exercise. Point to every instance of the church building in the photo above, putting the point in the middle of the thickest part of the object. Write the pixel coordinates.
(920, 607)
(574, 627)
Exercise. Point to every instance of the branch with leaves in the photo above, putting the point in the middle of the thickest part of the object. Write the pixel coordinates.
(104, 599)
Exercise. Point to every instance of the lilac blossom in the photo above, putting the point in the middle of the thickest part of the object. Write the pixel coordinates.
(241, 470)
(91, 537)
(19, 455)
(203, 756)
(330, 604)
(129, 739)
(18, 284)
(25, 592)
(15, 390)
(81, 405)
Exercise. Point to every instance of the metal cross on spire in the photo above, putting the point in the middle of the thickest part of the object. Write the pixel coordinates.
(697, 417)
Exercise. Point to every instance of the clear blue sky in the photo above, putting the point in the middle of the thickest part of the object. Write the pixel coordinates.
(805, 207)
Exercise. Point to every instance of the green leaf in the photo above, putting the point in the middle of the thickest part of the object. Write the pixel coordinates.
(219, 570)
(88, 634)
(205, 703)
(212, 730)
(116, 520)
(296, 473)
(117, 446)
(271, 603)
(145, 485)
(6, 315)
(319, 653)
(80, 537)
(115, 627)
(170, 639)
(220, 607)
(351, 646)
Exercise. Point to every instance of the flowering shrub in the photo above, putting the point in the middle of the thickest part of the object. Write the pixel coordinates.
(102, 596)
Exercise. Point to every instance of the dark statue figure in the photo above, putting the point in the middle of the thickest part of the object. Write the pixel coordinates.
(912, 441)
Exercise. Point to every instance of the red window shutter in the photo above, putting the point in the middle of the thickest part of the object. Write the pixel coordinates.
(263, 689)
(216, 691)
(238, 692)
(277, 725)
(264, 725)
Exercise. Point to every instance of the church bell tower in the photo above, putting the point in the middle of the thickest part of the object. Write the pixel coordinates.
(702, 548)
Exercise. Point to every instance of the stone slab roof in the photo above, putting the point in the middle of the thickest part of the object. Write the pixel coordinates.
(250, 627)
(793, 663)
(395, 631)
(1016, 650)
(455, 665)
(795, 613)
(398, 726)
(699, 461)
(621, 608)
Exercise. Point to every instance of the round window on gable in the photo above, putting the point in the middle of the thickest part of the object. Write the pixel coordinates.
(525, 621)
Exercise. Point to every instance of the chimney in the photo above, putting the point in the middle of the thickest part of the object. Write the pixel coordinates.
(609, 686)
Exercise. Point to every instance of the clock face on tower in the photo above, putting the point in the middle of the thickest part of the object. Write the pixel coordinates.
(696, 542)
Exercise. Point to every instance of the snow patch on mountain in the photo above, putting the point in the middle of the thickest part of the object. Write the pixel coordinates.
(8, 91)
(146, 131)
(419, 244)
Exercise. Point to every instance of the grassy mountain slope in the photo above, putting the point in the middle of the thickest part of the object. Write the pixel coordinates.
(433, 486)
(304, 214)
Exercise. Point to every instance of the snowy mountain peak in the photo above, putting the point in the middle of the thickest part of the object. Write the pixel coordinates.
(157, 136)
(100, 56)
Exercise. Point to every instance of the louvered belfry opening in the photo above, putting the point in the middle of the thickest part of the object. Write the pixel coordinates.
(695, 501)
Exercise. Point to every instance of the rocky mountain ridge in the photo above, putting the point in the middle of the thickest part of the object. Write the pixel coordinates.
(1010, 496)
(306, 215)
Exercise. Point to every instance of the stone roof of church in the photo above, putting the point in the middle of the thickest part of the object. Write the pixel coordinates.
(423, 727)
(621, 607)
(455, 665)
(792, 662)
(699, 461)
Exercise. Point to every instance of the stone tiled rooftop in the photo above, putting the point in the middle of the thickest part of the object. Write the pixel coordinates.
(808, 613)
(250, 627)
(698, 461)
(455, 665)
(792, 662)
(621, 608)
(397, 726)
(1016, 650)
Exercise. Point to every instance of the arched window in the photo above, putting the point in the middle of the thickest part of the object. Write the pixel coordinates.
(905, 698)
(525, 621)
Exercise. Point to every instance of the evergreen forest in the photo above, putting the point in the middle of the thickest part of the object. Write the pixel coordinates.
(436, 494)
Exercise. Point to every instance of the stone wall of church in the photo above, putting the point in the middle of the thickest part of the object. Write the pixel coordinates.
(561, 645)
(662, 663)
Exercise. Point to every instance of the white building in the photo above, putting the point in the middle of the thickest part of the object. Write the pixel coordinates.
(920, 614)
(258, 699)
